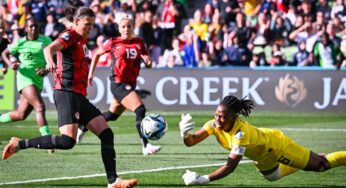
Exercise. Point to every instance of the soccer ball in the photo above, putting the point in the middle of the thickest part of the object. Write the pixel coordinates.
(154, 126)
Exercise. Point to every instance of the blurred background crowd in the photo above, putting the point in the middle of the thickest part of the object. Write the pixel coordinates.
(204, 33)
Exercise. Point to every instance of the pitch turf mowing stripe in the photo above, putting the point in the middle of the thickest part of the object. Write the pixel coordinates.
(281, 128)
(313, 129)
(120, 173)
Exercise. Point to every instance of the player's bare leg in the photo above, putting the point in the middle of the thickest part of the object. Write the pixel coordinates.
(33, 97)
(134, 103)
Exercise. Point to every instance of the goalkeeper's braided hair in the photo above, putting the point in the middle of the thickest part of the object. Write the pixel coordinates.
(238, 106)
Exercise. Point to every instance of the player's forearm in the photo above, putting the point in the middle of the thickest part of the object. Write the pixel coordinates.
(94, 61)
(4, 56)
(48, 55)
(222, 172)
(189, 140)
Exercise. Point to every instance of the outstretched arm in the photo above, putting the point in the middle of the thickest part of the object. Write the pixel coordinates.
(94, 61)
(228, 168)
(186, 124)
(191, 178)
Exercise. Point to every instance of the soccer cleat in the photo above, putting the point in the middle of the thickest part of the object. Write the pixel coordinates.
(80, 135)
(121, 183)
(150, 149)
(11, 148)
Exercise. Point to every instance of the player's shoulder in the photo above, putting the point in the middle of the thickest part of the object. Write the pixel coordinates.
(137, 39)
(68, 34)
(20, 42)
(210, 124)
(44, 38)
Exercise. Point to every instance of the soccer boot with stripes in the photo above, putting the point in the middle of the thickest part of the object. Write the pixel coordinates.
(11, 148)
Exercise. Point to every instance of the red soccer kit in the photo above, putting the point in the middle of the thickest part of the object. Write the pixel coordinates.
(126, 59)
(73, 63)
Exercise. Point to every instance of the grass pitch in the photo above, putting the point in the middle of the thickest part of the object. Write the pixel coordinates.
(82, 166)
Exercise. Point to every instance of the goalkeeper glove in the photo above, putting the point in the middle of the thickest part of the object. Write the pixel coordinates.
(191, 178)
(186, 124)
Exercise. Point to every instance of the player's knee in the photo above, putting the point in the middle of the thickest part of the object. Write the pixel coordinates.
(323, 165)
(273, 176)
(109, 116)
(140, 112)
(107, 137)
(320, 164)
(66, 142)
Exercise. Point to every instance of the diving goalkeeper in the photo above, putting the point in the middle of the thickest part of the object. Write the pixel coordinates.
(275, 155)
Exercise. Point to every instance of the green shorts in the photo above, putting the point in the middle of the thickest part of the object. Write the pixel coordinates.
(28, 77)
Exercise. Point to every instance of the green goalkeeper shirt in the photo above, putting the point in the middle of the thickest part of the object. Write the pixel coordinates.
(30, 54)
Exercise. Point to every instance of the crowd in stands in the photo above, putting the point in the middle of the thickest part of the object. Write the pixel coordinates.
(248, 33)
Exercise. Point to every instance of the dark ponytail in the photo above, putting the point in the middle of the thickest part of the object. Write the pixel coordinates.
(72, 12)
(238, 106)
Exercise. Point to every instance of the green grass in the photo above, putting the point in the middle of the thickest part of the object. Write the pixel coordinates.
(85, 159)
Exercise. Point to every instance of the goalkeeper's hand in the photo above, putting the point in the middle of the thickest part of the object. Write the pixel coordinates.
(192, 178)
(186, 124)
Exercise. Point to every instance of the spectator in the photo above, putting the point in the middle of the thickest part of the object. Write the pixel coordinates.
(172, 58)
(338, 8)
(301, 58)
(330, 30)
(207, 13)
(147, 33)
(237, 55)
(166, 13)
(279, 28)
(49, 26)
(242, 31)
(105, 59)
(110, 28)
(214, 27)
(277, 59)
(305, 32)
(258, 57)
(326, 54)
(217, 53)
(3, 45)
(38, 9)
(323, 7)
(190, 50)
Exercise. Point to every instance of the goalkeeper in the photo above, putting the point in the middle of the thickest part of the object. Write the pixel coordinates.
(275, 155)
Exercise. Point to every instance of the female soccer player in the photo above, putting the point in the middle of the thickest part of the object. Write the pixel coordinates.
(30, 72)
(127, 53)
(70, 89)
(275, 154)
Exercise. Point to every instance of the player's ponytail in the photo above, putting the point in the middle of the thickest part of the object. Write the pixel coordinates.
(71, 12)
(238, 106)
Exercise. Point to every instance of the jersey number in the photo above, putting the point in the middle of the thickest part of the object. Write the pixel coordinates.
(284, 160)
(27, 55)
(131, 53)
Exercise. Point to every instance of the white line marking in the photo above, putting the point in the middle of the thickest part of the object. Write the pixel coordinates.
(313, 129)
(120, 173)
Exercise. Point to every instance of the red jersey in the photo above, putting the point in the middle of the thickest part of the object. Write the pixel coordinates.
(126, 58)
(72, 63)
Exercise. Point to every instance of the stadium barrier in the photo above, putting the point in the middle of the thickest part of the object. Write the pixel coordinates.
(180, 89)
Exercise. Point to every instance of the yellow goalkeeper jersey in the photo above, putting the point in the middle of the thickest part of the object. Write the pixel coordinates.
(262, 144)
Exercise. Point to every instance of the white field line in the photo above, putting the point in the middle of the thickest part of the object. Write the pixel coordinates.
(120, 173)
(313, 129)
